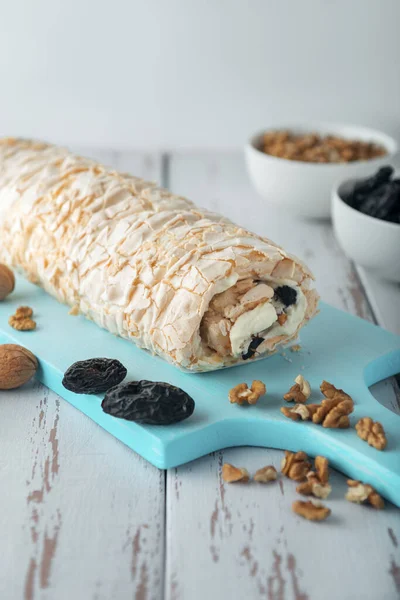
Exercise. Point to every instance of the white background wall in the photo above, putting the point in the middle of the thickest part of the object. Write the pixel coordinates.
(194, 73)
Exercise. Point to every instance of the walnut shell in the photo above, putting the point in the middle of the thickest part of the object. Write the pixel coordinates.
(17, 366)
(7, 281)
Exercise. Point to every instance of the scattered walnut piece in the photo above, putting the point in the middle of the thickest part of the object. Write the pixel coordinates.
(295, 465)
(266, 474)
(299, 411)
(333, 412)
(363, 493)
(21, 320)
(290, 414)
(24, 324)
(74, 311)
(241, 392)
(7, 281)
(300, 392)
(295, 348)
(317, 482)
(312, 510)
(314, 487)
(329, 391)
(372, 432)
(322, 468)
(312, 409)
(23, 312)
(232, 474)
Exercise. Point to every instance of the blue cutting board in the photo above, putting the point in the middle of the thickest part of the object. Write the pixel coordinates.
(345, 350)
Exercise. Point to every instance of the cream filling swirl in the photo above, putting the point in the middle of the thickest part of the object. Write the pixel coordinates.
(263, 321)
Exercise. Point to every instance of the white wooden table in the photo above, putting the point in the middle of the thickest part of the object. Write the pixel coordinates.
(84, 517)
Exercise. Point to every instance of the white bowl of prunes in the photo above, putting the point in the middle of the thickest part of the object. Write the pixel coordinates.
(366, 221)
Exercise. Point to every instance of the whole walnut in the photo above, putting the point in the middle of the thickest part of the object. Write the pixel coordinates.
(17, 366)
(7, 281)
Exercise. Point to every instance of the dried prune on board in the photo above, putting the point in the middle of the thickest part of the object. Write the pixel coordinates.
(150, 402)
(286, 294)
(94, 376)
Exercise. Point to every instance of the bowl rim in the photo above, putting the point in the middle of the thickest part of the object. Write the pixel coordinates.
(324, 127)
(336, 197)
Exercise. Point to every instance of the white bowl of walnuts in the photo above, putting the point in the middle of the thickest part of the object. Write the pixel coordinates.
(297, 166)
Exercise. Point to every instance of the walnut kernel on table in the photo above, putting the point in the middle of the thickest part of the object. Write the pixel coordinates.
(322, 468)
(363, 493)
(17, 366)
(241, 392)
(317, 481)
(312, 510)
(300, 392)
(314, 487)
(7, 281)
(232, 474)
(295, 465)
(266, 474)
(371, 432)
(334, 410)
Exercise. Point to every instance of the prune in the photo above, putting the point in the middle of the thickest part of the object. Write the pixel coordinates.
(372, 202)
(391, 203)
(94, 376)
(150, 402)
(381, 202)
(378, 196)
(286, 294)
(364, 187)
(255, 342)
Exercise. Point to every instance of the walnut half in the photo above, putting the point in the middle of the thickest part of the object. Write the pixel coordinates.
(314, 487)
(313, 510)
(322, 468)
(21, 320)
(372, 432)
(232, 474)
(334, 410)
(300, 392)
(317, 482)
(295, 465)
(363, 493)
(266, 474)
(299, 411)
(241, 392)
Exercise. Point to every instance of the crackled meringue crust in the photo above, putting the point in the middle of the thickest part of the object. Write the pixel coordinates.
(136, 259)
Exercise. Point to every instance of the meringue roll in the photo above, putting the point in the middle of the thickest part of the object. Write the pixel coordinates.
(183, 283)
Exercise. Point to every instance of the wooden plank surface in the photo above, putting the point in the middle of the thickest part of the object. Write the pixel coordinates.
(81, 516)
(244, 540)
(384, 297)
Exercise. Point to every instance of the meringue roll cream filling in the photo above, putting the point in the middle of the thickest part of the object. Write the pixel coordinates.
(251, 317)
